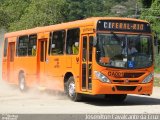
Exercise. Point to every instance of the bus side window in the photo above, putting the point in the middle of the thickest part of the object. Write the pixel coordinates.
(90, 47)
(84, 55)
(23, 45)
(72, 44)
(32, 45)
(5, 47)
(50, 43)
(57, 42)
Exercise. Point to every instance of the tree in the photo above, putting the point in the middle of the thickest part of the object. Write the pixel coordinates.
(24, 14)
(40, 13)
(3, 20)
(80, 9)
(46, 12)
(147, 3)
(11, 11)
(153, 15)
(96, 8)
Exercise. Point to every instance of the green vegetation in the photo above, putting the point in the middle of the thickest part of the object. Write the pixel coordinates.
(157, 63)
(24, 14)
(157, 81)
(152, 14)
(41, 13)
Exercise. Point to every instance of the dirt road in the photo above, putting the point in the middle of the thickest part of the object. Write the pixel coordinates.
(34, 101)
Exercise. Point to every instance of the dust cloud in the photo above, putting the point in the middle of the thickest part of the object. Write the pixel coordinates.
(9, 92)
(4, 88)
(1, 43)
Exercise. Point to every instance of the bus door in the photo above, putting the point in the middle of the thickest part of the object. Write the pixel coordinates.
(86, 72)
(42, 51)
(11, 53)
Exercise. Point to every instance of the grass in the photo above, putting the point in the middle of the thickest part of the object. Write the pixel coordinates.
(157, 70)
(157, 81)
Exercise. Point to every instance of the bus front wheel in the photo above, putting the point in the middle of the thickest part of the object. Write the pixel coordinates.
(22, 85)
(71, 93)
(115, 97)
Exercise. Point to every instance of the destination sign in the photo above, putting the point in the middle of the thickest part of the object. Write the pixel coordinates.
(124, 26)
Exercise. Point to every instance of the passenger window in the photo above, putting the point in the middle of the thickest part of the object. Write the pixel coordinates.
(57, 42)
(84, 54)
(23, 46)
(90, 47)
(5, 47)
(50, 42)
(72, 44)
(32, 45)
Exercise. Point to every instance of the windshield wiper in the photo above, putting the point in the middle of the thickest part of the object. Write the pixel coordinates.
(115, 36)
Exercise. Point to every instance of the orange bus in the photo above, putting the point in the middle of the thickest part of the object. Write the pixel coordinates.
(101, 55)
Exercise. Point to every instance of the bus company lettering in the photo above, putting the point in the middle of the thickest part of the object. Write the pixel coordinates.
(77, 59)
(56, 60)
(116, 74)
(123, 26)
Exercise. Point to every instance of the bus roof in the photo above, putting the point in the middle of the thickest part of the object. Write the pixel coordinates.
(72, 24)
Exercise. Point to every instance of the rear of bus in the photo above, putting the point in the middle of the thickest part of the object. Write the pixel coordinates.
(118, 69)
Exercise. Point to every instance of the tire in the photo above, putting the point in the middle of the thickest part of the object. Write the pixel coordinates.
(22, 84)
(70, 91)
(118, 98)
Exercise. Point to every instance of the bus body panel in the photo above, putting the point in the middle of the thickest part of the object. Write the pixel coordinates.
(28, 65)
(4, 69)
(11, 59)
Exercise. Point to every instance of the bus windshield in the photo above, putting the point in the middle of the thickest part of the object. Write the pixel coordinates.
(124, 51)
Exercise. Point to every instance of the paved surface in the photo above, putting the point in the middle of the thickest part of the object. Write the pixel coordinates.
(13, 101)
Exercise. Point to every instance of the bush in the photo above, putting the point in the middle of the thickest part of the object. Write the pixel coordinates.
(157, 63)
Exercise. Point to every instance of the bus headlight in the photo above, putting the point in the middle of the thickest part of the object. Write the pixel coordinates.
(101, 77)
(148, 78)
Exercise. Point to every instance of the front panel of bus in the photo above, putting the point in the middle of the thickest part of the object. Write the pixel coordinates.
(124, 58)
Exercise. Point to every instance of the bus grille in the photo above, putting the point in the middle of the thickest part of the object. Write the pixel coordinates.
(126, 88)
(124, 81)
(132, 75)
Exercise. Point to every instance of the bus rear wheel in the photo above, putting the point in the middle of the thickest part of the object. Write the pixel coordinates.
(71, 93)
(116, 97)
(22, 85)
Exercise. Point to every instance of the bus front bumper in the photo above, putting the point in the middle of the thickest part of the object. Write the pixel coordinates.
(108, 88)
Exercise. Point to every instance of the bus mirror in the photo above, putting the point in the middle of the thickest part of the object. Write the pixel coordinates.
(53, 46)
(94, 41)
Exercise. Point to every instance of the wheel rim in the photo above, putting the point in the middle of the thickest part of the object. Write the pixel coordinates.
(22, 86)
(71, 89)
